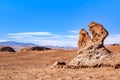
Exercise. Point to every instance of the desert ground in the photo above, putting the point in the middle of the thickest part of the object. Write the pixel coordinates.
(36, 65)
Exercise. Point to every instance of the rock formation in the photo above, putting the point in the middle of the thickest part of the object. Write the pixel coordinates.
(99, 33)
(6, 49)
(84, 39)
(92, 52)
(91, 49)
(35, 48)
(58, 64)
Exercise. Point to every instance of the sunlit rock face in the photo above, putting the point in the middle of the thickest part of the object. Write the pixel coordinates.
(99, 33)
(91, 49)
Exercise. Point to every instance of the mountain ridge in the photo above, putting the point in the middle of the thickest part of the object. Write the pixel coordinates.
(18, 46)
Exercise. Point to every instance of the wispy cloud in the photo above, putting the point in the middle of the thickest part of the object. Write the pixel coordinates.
(112, 39)
(31, 33)
(74, 31)
(47, 38)
(2, 40)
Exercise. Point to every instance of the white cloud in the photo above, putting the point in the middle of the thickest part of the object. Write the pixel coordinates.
(72, 36)
(47, 38)
(3, 40)
(112, 39)
(74, 31)
(31, 33)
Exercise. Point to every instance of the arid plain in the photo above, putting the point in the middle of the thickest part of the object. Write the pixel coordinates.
(36, 65)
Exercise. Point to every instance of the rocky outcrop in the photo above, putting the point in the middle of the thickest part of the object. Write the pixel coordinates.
(84, 39)
(92, 52)
(6, 49)
(99, 33)
(35, 48)
(91, 49)
(58, 64)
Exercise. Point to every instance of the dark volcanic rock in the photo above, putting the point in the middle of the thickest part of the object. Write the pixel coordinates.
(36, 48)
(6, 49)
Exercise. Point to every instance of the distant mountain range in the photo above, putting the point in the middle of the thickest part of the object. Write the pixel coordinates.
(62, 47)
(12, 43)
(17, 46)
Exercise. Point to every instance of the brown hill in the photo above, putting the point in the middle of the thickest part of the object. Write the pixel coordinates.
(35, 48)
(115, 48)
(6, 49)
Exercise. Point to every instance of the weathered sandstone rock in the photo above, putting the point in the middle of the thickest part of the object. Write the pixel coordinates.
(99, 33)
(92, 52)
(91, 49)
(84, 39)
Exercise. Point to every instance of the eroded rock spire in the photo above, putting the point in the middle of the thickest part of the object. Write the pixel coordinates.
(91, 49)
(99, 33)
(84, 39)
(92, 52)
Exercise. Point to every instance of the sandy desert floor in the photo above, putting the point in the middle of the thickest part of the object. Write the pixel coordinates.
(36, 65)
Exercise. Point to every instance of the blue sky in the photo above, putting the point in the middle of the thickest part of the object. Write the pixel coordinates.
(56, 22)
